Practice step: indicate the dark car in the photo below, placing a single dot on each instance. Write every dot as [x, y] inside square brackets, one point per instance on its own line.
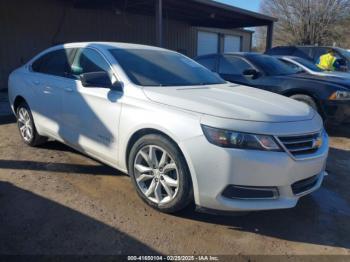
[330, 96]
[313, 53]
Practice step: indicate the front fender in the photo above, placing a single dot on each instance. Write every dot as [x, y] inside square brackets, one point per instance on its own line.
[179, 125]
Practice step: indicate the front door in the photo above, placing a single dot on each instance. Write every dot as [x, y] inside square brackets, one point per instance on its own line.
[91, 115]
[231, 69]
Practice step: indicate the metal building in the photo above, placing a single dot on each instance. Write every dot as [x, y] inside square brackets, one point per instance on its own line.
[193, 27]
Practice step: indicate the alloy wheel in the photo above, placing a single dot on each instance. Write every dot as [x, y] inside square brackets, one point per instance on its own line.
[156, 174]
[25, 124]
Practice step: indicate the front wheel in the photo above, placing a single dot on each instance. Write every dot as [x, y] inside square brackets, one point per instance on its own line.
[306, 100]
[310, 102]
[160, 174]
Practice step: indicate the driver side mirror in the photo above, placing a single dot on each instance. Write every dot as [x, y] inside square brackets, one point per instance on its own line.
[100, 79]
[251, 73]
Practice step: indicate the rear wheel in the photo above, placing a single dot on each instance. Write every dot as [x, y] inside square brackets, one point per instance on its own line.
[26, 126]
[160, 174]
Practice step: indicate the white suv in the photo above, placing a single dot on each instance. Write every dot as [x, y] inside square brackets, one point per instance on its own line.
[181, 132]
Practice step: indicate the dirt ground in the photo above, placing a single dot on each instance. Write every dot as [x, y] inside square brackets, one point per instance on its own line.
[54, 200]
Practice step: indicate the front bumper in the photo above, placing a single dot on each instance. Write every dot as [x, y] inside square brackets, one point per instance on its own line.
[336, 112]
[216, 168]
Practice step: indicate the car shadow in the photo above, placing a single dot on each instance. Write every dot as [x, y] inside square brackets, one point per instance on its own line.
[339, 131]
[59, 167]
[322, 218]
[71, 168]
[57, 146]
[31, 224]
[4, 120]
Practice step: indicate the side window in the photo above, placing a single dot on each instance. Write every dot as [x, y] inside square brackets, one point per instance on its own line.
[208, 62]
[55, 63]
[291, 65]
[231, 65]
[87, 61]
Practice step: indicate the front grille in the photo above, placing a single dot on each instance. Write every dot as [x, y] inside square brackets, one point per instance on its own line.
[304, 185]
[303, 144]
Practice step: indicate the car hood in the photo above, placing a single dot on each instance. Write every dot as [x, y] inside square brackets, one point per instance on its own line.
[342, 75]
[232, 101]
[342, 81]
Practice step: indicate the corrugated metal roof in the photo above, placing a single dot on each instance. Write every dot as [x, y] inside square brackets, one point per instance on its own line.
[236, 9]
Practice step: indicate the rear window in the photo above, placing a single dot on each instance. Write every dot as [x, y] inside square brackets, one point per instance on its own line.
[301, 51]
[318, 52]
[280, 51]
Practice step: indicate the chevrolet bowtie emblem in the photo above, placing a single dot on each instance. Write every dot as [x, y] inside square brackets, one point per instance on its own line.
[317, 143]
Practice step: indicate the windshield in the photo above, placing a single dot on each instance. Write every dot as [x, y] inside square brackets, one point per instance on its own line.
[307, 64]
[163, 68]
[272, 66]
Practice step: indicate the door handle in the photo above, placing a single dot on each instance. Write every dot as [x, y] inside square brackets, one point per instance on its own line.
[67, 89]
[47, 90]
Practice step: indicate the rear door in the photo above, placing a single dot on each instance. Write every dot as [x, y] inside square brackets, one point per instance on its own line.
[91, 114]
[50, 76]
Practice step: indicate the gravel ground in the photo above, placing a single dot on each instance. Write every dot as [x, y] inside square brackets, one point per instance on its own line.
[54, 200]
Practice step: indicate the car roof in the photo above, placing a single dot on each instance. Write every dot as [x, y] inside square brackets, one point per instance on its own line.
[243, 54]
[295, 47]
[108, 45]
[288, 57]
[299, 46]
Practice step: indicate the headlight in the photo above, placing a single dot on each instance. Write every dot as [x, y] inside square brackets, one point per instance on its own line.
[232, 139]
[340, 95]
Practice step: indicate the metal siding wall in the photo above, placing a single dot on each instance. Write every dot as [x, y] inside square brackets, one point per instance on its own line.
[28, 27]
[177, 36]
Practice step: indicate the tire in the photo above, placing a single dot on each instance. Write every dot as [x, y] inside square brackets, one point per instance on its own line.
[26, 126]
[165, 183]
[307, 100]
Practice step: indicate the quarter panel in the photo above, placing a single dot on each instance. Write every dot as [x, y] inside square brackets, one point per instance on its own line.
[21, 84]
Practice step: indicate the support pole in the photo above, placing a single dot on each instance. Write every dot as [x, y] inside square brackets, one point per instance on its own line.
[269, 36]
[159, 22]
